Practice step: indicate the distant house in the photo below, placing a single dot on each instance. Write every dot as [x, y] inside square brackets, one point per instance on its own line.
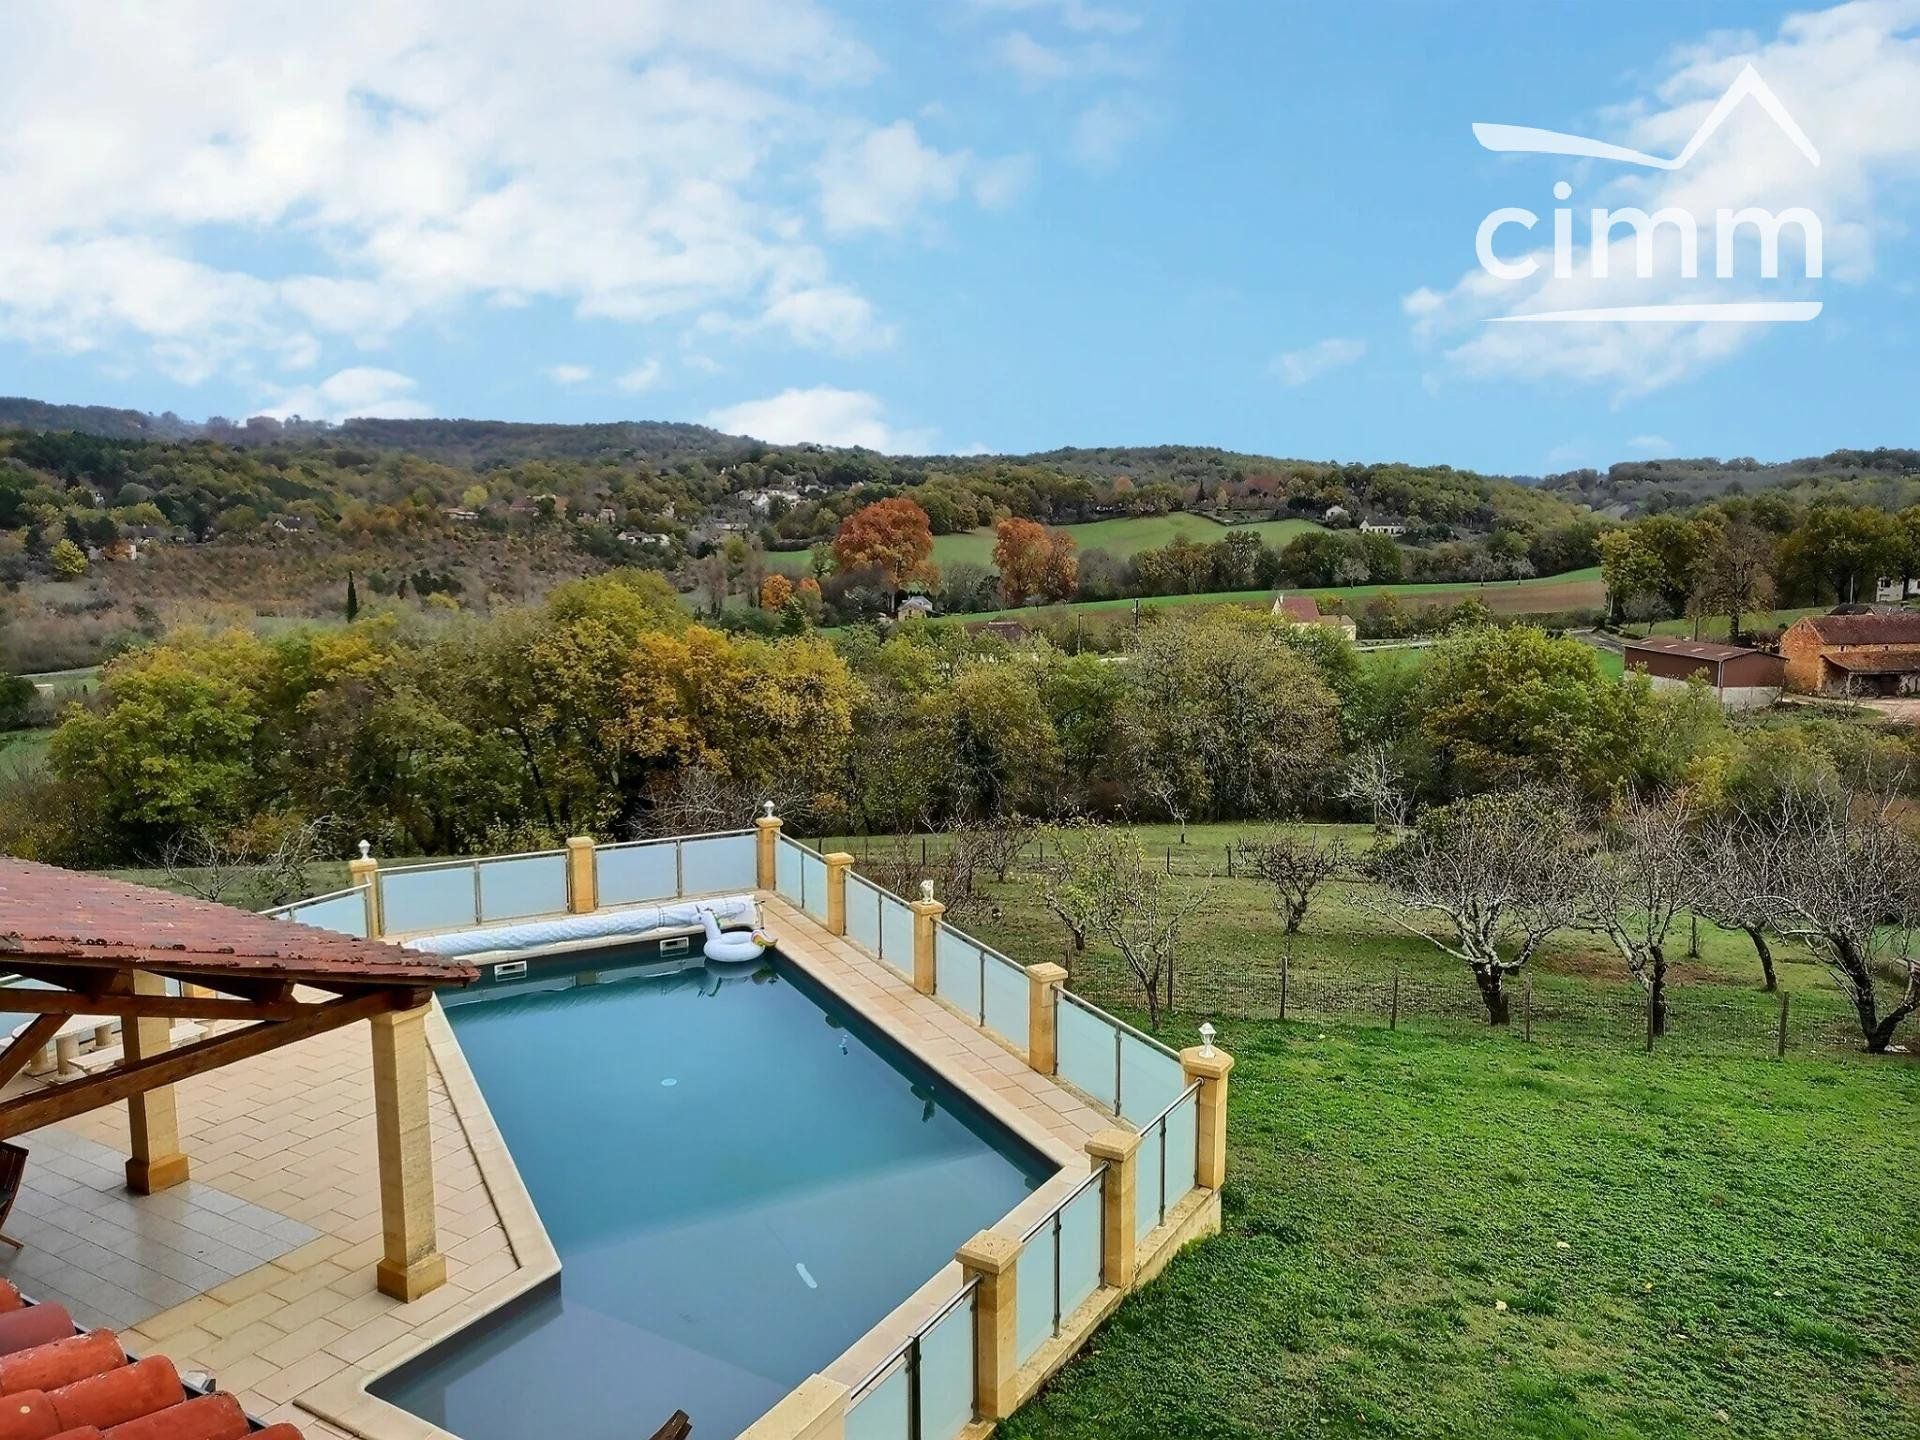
[1898, 591]
[1337, 515]
[1392, 532]
[1742, 678]
[460, 513]
[651, 538]
[915, 607]
[1305, 610]
[1877, 653]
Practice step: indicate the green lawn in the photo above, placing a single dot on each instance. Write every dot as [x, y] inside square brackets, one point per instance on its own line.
[1123, 538]
[1684, 1247]
[1715, 627]
[23, 748]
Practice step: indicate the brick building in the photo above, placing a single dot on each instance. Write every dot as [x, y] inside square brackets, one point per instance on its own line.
[1877, 653]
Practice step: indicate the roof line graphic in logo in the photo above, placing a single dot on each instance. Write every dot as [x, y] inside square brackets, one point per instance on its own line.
[1525, 140]
[1528, 140]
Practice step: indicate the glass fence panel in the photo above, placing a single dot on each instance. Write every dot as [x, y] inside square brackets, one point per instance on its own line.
[946, 1375]
[345, 913]
[419, 900]
[718, 863]
[1150, 1079]
[1183, 1138]
[863, 914]
[786, 870]
[957, 970]
[881, 1413]
[1084, 1044]
[1080, 1249]
[896, 935]
[1146, 1192]
[634, 873]
[813, 884]
[523, 885]
[1033, 1304]
[1007, 1000]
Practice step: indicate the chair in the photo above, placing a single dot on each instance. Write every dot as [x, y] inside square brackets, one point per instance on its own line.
[13, 1165]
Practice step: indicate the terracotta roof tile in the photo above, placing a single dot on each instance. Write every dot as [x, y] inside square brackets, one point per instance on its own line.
[1885, 628]
[52, 914]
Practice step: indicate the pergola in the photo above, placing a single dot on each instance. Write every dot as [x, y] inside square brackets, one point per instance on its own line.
[105, 947]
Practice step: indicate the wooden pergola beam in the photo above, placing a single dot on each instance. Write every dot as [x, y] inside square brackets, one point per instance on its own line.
[28, 1043]
[123, 1081]
[14, 1001]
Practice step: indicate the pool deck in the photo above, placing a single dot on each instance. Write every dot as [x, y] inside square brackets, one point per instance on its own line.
[260, 1270]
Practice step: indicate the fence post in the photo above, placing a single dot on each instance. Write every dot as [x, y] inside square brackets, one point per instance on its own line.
[1284, 959]
[1393, 1002]
[766, 870]
[583, 875]
[1211, 1068]
[926, 921]
[1230, 862]
[838, 863]
[1043, 1016]
[1120, 1149]
[1651, 1016]
[1780, 1043]
[365, 872]
[1526, 1010]
[1169, 859]
[992, 1260]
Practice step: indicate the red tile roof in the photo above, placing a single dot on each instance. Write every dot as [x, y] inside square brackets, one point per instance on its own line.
[1884, 628]
[1302, 608]
[86, 1387]
[51, 914]
[1875, 664]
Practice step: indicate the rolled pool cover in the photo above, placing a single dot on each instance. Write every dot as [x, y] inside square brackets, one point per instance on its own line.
[560, 930]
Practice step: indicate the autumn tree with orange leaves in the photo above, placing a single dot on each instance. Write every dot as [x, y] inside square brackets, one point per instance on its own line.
[775, 591]
[891, 536]
[1035, 562]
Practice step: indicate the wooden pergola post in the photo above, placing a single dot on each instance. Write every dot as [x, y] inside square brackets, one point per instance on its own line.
[153, 1118]
[412, 1264]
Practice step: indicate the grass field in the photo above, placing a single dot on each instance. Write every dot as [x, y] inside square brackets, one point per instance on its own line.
[1693, 1243]
[1546, 594]
[1684, 1247]
[1123, 538]
[23, 749]
[1714, 627]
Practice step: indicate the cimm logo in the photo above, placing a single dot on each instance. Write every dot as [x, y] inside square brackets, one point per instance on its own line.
[1680, 257]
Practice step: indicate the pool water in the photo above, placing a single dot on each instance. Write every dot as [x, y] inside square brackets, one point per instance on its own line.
[741, 1179]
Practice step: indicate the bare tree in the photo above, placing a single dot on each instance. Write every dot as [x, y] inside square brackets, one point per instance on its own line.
[245, 868]
[1732, 890]
[696, 799]
[1500, 872]
[1374, 777]
[1294, 869]
[1110, 889]
[1169, 790]
[1837, 871]
[1640, 882]
[1002, 839]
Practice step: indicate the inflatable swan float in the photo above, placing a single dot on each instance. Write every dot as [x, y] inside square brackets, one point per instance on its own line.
[731, 948]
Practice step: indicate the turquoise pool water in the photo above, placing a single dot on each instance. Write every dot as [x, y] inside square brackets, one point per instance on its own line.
[740, 1177]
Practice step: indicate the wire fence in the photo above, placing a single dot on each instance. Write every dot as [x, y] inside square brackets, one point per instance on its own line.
[1697, 1019]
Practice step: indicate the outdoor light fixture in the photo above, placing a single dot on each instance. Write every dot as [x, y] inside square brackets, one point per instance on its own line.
[1207, 1033]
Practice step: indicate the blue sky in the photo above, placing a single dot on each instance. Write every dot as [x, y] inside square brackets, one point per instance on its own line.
[954, 225]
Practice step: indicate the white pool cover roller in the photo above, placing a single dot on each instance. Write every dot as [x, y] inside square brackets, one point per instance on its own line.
[636, 920]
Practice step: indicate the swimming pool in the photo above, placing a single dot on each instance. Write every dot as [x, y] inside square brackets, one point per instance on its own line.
[740, 1176]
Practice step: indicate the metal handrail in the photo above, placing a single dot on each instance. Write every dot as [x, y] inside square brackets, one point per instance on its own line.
[1078, 1190]
[668, 839]
[1159, 1122]
[1119, 1024]
[279, 910]
[1178, 1101]
[907, 1346]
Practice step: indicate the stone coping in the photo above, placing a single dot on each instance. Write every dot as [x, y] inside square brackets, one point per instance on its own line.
[1042, 1112]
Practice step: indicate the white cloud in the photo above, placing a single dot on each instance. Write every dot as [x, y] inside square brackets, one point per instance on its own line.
[825, 416]
[1850, 76]
[1105, 129]
[390, 163]
[1297, 367]
[360, 391]
[829, 317]
[883, 179]
[569, 374]
[1651, 444]
[1076, 15]
[643, 376]
[1033, 62]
